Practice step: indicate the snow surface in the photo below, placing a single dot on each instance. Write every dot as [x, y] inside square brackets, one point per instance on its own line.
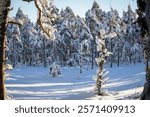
[35, 83]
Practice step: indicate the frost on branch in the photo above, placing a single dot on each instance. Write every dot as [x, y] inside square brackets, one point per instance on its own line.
[45, 17]
[13, 21]
[100, 60]
[8, 67]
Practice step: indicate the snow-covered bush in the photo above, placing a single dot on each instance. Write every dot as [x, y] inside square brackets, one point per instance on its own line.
[54, 70]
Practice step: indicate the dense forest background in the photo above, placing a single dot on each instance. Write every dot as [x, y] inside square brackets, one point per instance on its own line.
[74, 39]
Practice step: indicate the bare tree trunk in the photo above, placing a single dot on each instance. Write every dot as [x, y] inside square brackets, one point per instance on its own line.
[4, 9]
[13, 58]
[92, 56]
[80, 63]
[44, 53]
[118, 63]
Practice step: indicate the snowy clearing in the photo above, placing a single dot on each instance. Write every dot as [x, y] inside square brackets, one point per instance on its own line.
[27, 83]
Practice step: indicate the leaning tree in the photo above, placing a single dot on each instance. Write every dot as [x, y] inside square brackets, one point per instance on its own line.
[143, 20]
[42, 8]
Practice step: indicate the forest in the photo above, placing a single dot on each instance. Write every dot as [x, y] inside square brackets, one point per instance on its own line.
[74, 39]
[99, 56]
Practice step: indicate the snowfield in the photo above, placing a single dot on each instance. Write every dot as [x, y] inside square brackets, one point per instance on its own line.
[35, 83]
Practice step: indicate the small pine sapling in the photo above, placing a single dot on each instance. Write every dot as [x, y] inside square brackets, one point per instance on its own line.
[54, 70]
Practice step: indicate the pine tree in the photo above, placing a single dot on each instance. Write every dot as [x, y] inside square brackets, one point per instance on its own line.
[14, 46]
[84, 39]
[132, 35]
[93, 17]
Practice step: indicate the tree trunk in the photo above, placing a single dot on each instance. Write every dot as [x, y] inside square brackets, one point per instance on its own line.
[147, 11]
[100, 79]
[92, 56]
[111, 49]
[44, 53]
[118, 63]
[80, 63]
[13, 53]
[146, 91]
[4, 9]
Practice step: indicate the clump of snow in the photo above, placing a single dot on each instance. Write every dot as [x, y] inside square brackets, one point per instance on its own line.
[54, 70]
[8, 67]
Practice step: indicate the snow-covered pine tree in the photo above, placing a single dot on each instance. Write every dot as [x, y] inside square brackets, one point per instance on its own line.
[83, 39]
[100, 60]
[57, 49]
[54, 70]
[131, 37]
[28, 37]
[65, 30]
[93, 18]
[73, 31]
[113, 27]
[84, 52]
[14, 46]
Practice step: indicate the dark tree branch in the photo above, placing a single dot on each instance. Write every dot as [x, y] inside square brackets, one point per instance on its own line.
[10, 9]
[28, 0]
[47, 31]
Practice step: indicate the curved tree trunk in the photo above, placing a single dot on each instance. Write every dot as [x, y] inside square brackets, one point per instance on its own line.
[4, 9]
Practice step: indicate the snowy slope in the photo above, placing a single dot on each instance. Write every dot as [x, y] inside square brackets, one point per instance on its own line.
[36, 83]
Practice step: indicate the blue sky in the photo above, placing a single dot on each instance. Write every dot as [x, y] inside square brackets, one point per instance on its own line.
[79, 6]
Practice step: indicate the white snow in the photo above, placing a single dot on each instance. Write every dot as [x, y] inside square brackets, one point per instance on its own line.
[35, 83]
[8, 67]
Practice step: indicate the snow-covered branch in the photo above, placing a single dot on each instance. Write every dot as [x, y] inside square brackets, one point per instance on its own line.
[40, 5]
[13, 21]
[42, 11]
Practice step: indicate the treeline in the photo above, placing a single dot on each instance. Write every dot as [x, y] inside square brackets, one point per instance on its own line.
[74, 39]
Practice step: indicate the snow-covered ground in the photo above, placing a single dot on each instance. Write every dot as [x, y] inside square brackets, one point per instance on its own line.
[35, 83]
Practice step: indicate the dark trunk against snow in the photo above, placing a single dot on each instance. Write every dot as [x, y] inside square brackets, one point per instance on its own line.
[4, 9]
[44, 52]
[144, 6]
[147, 11]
